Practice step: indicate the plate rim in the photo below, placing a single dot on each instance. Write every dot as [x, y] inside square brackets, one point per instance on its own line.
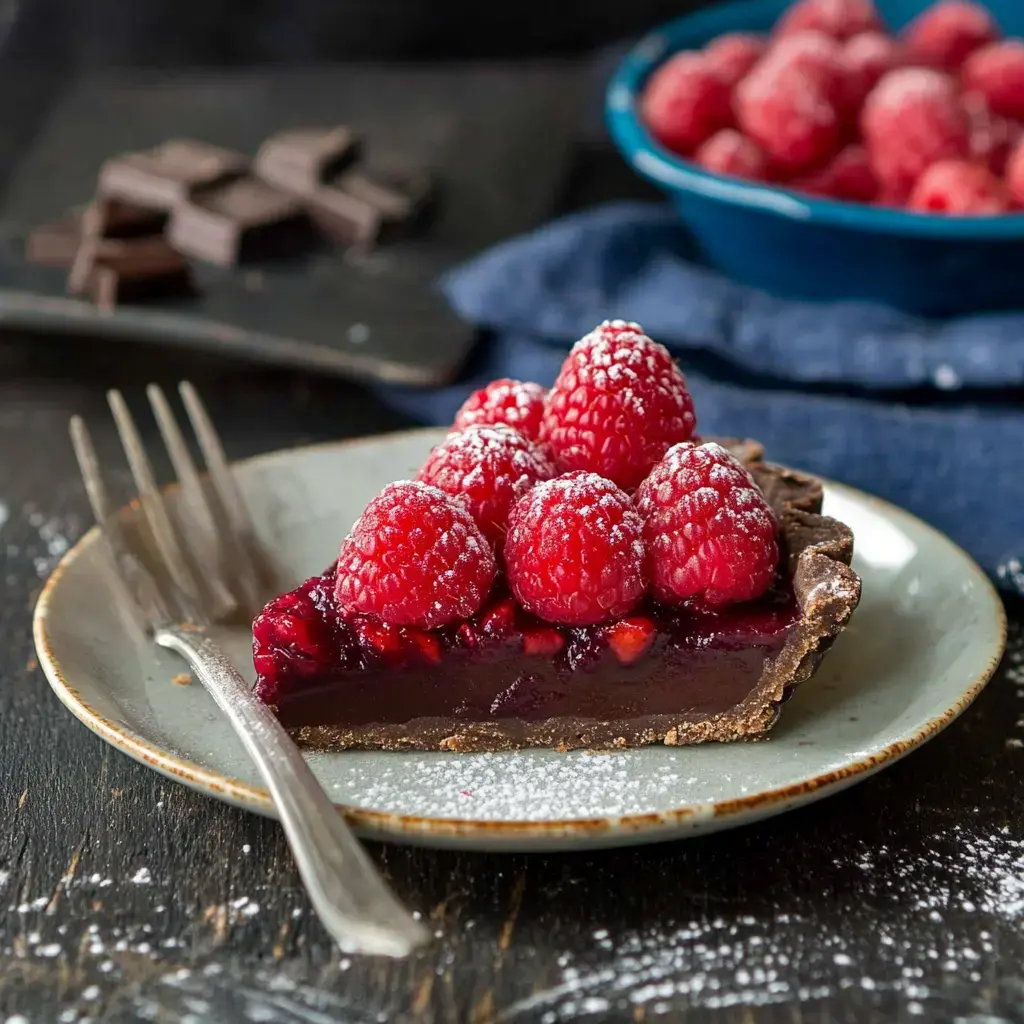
[383, 824]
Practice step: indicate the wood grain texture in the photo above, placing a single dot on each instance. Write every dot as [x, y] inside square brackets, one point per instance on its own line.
[127, 898]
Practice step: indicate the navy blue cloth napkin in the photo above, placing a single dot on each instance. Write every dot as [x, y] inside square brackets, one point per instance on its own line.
[928, 415]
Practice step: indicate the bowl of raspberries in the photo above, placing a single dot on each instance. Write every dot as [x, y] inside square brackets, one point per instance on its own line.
[840, 149]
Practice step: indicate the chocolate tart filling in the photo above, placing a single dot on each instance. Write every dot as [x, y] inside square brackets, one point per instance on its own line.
[504, 679]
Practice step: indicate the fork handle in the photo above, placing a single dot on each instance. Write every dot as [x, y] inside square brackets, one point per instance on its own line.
[350, 897]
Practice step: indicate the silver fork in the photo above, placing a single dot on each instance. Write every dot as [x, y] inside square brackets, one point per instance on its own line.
[186, 570]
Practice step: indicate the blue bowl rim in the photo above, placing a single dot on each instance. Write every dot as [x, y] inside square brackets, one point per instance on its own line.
[673, 173]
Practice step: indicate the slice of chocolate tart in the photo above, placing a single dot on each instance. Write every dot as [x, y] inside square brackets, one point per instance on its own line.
[503, 679]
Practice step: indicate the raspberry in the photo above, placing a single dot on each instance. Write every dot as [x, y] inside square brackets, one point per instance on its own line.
[574, 553]
[837, 18]
[849, 176]
[709, 531]
[542, 642]
[381, 638]
[997, 72]
[519, 404]
[911, 120]
[788, 103]
[992, 137]
[426, 645]
[817, 55]
[631, 638]
[499, 620]
[947, 32]
[733, 55]
[892, 198]
[289, 632]
[730, 152]
[961, 189]
[1015, 174]
[414, 558]
[685, 102]
[867, 57]
[619, 403]
[487, 468]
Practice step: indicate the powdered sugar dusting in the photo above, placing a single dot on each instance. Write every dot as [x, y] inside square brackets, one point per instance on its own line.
[708, 528]
[409, 535]
[800, 66]
[481, 442]
[538, 784]
[619, 402]
[487, 468]
[517, 403]
[807, 42]
[906, 86]
[574, 551]
[908, 933]
[621, 360]
[839, 18]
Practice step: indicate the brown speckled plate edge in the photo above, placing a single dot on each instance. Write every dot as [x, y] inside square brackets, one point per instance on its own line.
[538, 834]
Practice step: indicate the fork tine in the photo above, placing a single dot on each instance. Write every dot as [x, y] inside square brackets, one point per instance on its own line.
[240, 540]
[89, 465]
[110, 529]
[202, 535]
[189, 597]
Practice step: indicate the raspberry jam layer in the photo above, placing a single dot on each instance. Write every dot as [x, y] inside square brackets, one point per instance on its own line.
[503, 665]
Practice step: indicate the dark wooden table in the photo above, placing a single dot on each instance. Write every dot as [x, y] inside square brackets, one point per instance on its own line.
[124, 897]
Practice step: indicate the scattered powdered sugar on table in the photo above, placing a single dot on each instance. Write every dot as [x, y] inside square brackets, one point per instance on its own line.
[1015, 659]
[918, 934]
[960, 869]
[56, 535]
[106, 957]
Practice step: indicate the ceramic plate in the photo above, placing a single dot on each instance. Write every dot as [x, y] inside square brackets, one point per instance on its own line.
[927, 636]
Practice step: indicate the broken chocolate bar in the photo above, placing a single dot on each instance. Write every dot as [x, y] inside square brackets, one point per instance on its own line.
[169, 174]
[115, 218]
[53, 244]
[244, 219]
[300, 160]
[134, 269]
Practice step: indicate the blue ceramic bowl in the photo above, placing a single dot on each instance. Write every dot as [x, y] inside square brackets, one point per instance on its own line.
[809, 248]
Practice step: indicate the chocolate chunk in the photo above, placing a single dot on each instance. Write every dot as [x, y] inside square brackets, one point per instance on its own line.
[344, 217]
[301, 159]
[104, 221]
[395, 197]
[169, 174]
[55, 244]
[357, 209]
[115, 218]
[128, 270]
[242, 220]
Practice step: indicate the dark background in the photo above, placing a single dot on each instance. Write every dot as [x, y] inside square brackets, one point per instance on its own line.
[237, 31]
